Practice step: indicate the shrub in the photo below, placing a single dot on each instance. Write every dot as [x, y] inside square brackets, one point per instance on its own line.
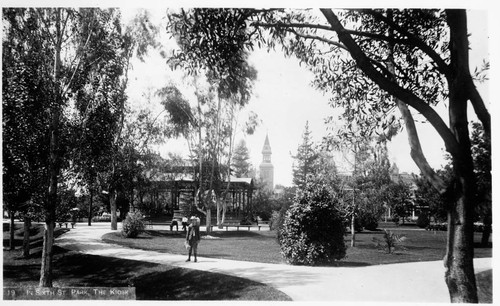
[369, 221]
[390, 242]
[133, 225]
[358, 225]
[277, 220]
[395, 219]
[423, 221]
[313, 229]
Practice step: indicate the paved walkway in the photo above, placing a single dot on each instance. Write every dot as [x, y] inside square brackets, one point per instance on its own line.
[421, 282]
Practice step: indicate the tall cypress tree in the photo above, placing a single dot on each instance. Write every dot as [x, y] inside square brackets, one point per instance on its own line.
[305, 159]
[241, 157]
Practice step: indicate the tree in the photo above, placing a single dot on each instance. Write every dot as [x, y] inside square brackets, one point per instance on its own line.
[24, 124]
[304, 160]
[398, 197]
[226, 95]
[372, 61]
[362, 191]
[240, 163]
[481, 155]
[76, 45]
[427, 196]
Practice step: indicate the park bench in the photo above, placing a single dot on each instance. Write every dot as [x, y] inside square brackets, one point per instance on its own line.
[233, 222]
[437, 227]
[230, 222]
[176, 220]
[61, 223]
[264, 224]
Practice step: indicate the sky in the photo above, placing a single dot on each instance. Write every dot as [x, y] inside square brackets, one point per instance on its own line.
[284, 101]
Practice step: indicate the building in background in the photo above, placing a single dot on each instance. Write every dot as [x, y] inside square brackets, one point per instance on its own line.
[266, 168]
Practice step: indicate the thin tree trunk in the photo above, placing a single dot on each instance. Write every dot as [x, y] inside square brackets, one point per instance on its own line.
[209, 220]
[112, 205]
[26, 238]
[47, 254]
[12, 230]
[90, 206]
[50, 209]
[219, 221]
[353, 230]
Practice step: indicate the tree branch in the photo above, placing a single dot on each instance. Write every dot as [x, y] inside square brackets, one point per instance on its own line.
[441, 64]
[377, 36]
[47, 26]
[280, 24]
[391, 87]
[314, 37]
[479, 107]
[416, 149]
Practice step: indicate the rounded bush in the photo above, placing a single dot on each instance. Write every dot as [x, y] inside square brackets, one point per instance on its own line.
[313, 229]
[133, 225]
[369, 222]
[423, 221]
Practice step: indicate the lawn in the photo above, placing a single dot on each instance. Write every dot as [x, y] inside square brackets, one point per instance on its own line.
[152, 281]
[261, 246]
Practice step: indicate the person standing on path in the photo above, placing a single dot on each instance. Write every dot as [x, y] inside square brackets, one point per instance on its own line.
[193, 237]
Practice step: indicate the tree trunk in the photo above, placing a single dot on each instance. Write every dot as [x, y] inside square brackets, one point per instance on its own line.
[219, 216]
[12, 230]
[209, 220]
[47, 255]
[485, 239]
[112, 205]
[26, 238]
[50, 206]
[224, 208]
[90, 206]
[353, 230]
[459, 257]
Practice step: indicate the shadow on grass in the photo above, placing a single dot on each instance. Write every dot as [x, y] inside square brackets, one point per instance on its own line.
[485, 286]
[36, 237]
[152, 281]
[183, 284]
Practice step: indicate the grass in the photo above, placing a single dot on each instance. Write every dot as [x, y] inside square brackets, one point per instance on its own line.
[235, 245]
[261, 246]
[152, 281]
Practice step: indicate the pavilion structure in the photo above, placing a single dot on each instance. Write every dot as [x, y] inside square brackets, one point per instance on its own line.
[170, 193]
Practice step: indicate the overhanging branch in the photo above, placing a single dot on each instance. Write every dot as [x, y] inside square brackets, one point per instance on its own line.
[441, 64]
[391, 87]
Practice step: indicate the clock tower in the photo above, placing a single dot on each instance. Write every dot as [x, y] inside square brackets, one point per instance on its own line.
[266, 168]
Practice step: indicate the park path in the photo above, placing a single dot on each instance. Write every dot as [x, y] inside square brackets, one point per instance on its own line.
[421, 282]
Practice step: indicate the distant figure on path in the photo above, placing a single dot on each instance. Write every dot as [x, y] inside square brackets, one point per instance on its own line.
[193, 237]
[184, 223]
[174, 223]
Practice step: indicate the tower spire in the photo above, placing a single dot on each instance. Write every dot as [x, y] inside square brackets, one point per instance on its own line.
[266, 167]
[267, 147]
